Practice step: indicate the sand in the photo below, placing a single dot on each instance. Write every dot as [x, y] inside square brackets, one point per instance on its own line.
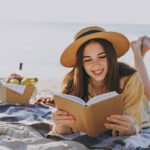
[46, 88]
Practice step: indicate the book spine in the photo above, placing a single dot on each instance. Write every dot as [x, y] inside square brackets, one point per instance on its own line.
[88, 121]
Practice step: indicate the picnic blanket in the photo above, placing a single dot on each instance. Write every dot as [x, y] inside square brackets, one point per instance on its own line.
[26, 127]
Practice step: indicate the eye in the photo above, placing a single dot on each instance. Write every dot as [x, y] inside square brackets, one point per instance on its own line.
[87, 60]
[101, 57]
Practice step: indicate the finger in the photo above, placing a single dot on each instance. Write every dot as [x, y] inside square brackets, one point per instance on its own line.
[56, 114]
[61, 112]
[64, 122]
[120, 117]
[60, 117]
[116, 127]
[118, 121]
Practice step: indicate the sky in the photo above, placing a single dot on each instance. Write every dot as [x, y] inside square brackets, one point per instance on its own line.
[20, 41]
[77, 11]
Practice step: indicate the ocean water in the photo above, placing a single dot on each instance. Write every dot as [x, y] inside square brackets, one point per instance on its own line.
[38, 45]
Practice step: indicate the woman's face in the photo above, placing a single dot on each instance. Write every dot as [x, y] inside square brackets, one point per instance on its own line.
[95, 61]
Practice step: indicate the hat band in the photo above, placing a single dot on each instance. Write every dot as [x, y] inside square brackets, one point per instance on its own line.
[87, 33]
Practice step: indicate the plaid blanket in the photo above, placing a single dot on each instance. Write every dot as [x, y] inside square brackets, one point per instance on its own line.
[38, 117]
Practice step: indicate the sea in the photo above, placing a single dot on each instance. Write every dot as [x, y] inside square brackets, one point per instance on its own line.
[38, 46]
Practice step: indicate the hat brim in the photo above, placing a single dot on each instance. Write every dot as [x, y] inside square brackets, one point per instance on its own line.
[119, 42]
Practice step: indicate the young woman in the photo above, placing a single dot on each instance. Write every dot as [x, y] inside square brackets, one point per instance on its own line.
[95, 70]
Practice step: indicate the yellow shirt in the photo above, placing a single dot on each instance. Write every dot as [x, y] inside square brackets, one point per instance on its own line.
[134, 103]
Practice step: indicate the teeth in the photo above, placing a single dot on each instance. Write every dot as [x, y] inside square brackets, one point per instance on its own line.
[98, 71]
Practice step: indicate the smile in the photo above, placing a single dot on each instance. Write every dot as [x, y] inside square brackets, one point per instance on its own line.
[98, 72]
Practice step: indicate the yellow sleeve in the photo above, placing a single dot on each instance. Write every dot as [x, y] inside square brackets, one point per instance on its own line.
[133, 100]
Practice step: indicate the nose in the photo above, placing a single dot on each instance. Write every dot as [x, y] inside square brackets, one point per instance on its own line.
[96, 62]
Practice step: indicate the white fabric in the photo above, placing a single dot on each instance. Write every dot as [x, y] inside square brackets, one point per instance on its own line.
[15, 87]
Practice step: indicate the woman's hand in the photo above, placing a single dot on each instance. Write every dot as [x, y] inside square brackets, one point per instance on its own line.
[121, 123]
[62, 119]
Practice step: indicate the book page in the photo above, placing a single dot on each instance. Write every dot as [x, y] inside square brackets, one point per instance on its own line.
[102, 97]
[72, 98]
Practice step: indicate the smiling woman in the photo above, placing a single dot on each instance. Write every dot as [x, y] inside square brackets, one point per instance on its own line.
[95, 70]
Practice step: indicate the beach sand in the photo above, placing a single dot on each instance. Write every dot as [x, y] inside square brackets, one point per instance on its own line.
[46, 88]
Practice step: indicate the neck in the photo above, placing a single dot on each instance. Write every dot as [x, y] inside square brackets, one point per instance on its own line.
[98, 87]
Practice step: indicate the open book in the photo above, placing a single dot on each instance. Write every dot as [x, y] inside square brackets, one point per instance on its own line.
[91, 116]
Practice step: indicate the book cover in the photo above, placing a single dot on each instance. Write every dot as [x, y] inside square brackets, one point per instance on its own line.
[91, 116]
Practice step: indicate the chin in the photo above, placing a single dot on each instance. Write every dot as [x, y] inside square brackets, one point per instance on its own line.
[99, 79]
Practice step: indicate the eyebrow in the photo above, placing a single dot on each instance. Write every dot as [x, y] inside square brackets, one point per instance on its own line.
[97, 54]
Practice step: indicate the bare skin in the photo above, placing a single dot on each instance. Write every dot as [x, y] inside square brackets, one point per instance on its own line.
[145, 45]
[62, 119]
[140, 48]
[123, 124]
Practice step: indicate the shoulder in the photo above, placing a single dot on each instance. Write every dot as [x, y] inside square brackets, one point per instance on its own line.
[130, 80]
[132, 88]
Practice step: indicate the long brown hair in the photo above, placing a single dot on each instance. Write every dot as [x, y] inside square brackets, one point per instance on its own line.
[76, 81]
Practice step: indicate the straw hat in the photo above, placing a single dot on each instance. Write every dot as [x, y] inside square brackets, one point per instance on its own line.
[119, 41]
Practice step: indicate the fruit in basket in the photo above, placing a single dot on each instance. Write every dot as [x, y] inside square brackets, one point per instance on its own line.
[14, 81]
[29, 81]
[17, 79]
[14, 76]
[7, 81]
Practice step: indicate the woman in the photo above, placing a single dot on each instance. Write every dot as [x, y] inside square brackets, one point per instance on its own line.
[95, 70]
